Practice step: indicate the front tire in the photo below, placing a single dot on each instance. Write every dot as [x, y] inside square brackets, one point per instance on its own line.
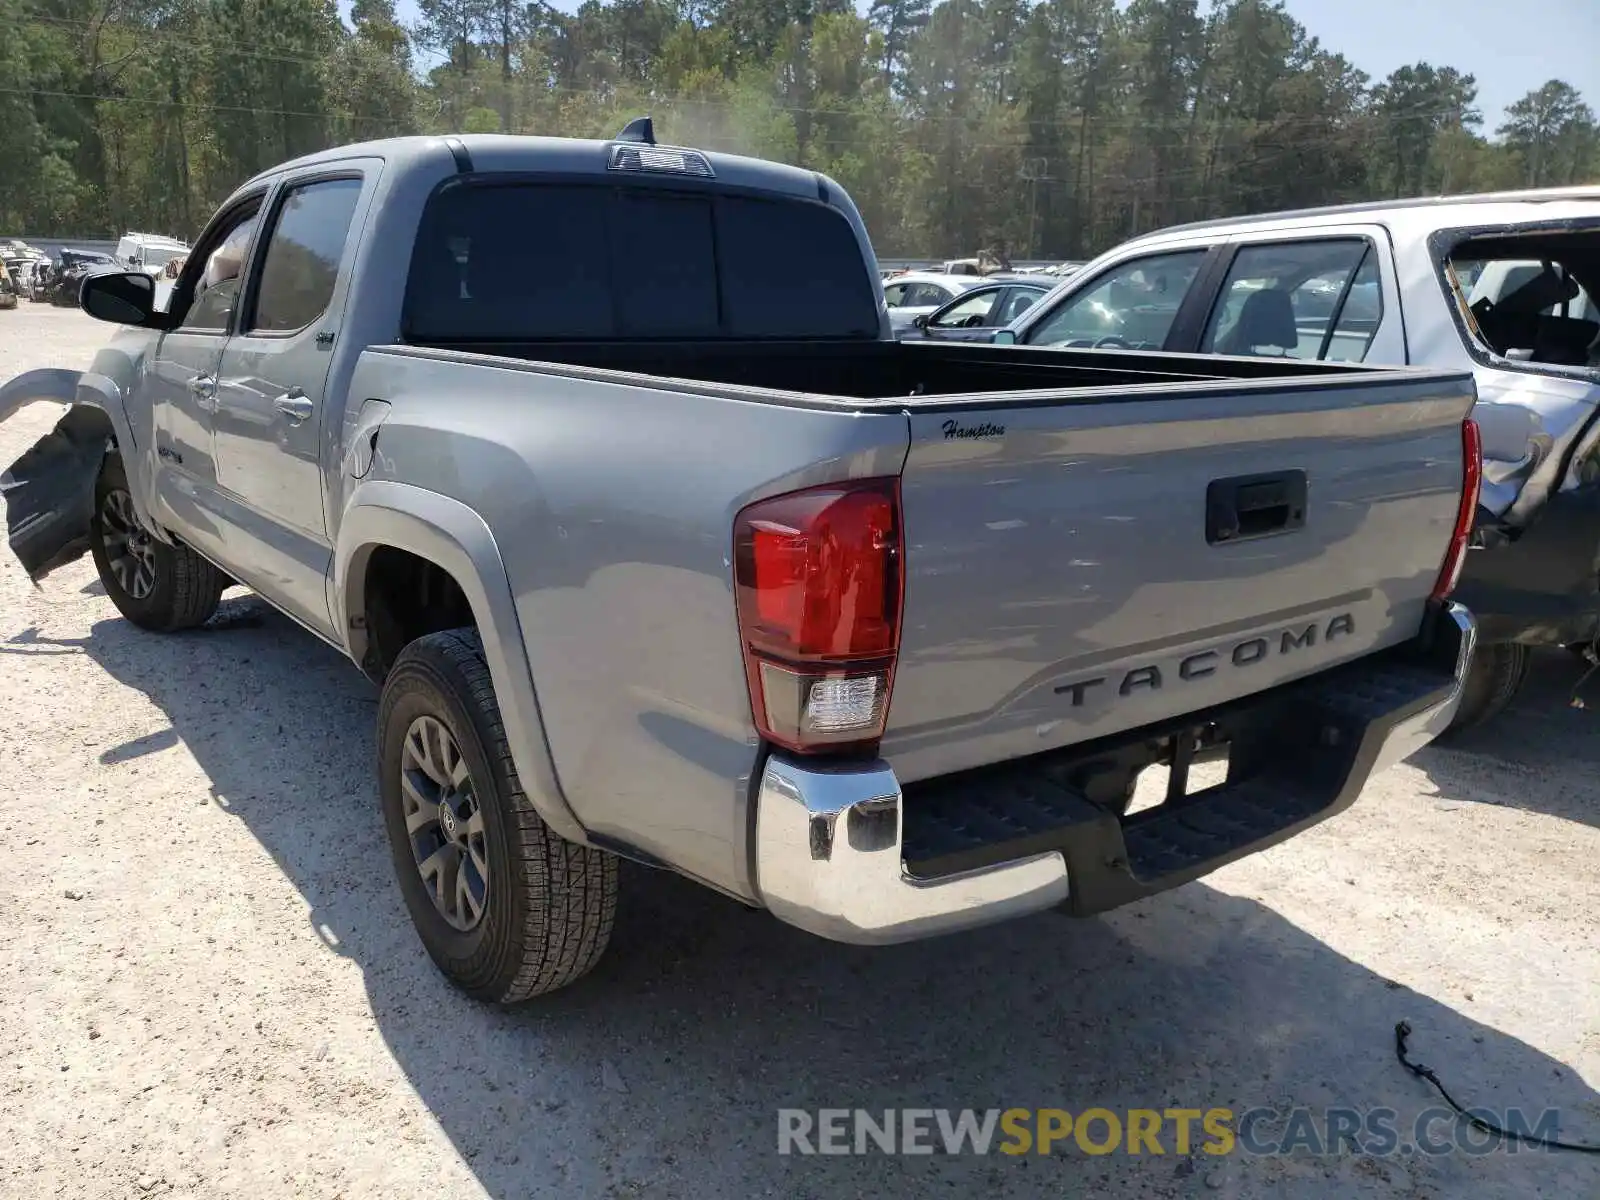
[155, 585]
[1494, 677]
[506, 908]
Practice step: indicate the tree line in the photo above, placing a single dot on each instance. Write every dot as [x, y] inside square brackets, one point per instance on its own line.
[1049, 128]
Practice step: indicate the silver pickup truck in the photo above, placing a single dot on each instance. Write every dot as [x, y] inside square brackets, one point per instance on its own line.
[657, 553]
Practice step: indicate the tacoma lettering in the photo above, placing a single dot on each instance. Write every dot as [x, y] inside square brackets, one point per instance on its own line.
[1204, 663]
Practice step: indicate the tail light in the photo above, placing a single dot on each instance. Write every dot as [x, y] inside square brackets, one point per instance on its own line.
[1471, 483]
[818, 576]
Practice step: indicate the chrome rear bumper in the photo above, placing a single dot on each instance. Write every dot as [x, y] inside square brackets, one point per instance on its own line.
[829, 859]
[830, 839]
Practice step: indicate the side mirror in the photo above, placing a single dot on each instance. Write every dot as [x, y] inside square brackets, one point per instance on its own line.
[1004, 337]
[920, 320]
[121, 297]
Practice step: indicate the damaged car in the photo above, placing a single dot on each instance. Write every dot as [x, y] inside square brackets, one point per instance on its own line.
[1506, 285]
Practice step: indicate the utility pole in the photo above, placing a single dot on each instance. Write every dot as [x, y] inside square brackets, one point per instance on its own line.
[1035, 171]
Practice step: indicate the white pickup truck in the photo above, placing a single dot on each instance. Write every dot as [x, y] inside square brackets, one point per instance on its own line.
[656, 553]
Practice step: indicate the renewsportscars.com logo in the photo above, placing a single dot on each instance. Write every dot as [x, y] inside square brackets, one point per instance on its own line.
[1373, 1132]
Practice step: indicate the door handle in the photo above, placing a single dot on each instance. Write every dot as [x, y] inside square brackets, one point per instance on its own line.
[294, 404]
[1252, 506]
[204, 390]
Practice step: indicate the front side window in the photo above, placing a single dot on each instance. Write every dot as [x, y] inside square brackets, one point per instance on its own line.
[968, 313]
[216, 291]
[303, 255]
[1282, 298]
[1133, 305]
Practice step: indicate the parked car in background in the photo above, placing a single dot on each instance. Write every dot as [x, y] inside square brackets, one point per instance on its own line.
[70, 268]
[29, 279]
[917, 293]
[974, 315]
[1504, 285]
[8, 291]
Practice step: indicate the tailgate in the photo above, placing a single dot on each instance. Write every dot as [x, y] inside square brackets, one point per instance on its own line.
[1083, 565]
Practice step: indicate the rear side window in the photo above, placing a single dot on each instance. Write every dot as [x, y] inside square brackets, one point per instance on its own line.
[1282, 299]
[551, 262]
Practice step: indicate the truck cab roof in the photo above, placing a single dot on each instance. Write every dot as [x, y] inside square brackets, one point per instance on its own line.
[494, 152]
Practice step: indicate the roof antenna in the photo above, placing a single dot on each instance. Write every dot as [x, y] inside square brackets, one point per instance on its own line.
[640, 129]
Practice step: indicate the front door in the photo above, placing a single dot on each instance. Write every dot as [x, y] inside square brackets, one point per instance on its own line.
[181, 380]
[271, 410]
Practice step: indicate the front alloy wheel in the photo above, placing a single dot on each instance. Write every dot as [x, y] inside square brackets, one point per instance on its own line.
[130, 551]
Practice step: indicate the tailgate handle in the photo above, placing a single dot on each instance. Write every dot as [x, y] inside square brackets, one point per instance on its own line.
[1253, 506]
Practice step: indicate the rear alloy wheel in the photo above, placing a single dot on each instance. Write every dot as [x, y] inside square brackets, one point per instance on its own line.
[445, 823]
[157, 585]
[505, 907]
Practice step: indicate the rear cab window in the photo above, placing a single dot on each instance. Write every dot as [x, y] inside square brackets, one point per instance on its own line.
[535, 261]
[1530, 297]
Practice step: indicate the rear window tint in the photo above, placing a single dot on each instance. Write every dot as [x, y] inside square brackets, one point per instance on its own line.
[663, 253]
[541, 262]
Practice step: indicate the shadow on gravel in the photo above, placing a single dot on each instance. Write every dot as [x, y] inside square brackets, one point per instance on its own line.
[1507, 761]
[661, 1075]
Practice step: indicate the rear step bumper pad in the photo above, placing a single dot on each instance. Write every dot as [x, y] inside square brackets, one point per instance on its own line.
[834, 855]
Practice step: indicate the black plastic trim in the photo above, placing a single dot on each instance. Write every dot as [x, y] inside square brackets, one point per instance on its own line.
[459, 152]
[1300, 754]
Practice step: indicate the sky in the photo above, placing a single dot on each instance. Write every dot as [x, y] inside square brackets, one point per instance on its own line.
[1511, 46]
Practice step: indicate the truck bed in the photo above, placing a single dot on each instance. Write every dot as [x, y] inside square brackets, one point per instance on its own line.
[854, 370]
[1065, 579]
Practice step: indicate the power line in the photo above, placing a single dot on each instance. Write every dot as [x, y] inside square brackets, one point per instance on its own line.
[1101, 121]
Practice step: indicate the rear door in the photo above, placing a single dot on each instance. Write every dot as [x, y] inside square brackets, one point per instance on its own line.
[272, 410]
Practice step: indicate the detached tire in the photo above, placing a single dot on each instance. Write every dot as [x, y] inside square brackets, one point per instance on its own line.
[1493, 679]
[157, 586]
[506, 908]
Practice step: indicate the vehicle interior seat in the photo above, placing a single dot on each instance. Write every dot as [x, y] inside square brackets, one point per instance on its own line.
[1267, 319]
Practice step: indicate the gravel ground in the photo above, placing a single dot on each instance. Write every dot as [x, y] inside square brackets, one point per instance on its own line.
[213, 989]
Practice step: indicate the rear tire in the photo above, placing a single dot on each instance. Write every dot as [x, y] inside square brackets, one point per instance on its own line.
[1496, 674]
[155, 585]
[506, 908]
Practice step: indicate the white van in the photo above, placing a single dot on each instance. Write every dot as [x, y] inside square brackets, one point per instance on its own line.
[148, 251]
